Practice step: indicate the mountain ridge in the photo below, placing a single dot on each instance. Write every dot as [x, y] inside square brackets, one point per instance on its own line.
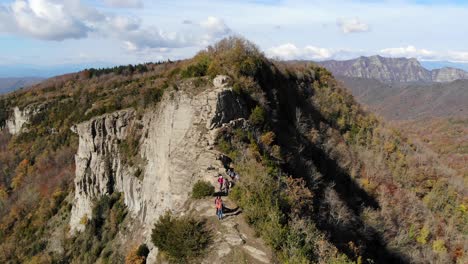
[407, 101]
[13, 83]
[321, 180]
[392, 70]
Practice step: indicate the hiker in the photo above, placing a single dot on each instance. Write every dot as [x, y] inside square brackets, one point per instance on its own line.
[230, 172]
[226, 186]
[221, 182]
[225, 160]
[219, 207]
[236, 176]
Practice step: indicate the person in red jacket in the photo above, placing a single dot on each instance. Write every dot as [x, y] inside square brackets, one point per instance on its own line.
[221, 182]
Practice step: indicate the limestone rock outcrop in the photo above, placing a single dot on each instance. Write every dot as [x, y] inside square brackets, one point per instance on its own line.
[19, 118]
[175, 145]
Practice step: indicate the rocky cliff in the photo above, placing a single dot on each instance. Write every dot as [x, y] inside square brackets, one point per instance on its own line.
[175, 146]
[19, 118]
[448, 74]
[391, 70]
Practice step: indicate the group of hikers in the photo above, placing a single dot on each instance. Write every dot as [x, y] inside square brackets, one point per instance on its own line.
[224, 186]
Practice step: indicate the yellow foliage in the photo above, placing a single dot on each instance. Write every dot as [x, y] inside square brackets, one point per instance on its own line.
[276, 152]
[365, 182]
[20, 173]
[3, 194]
[389, 147]
[267, 138]
[84, 219]
[423, 235]
[462, 208]
[134, 258]
[439, 246]
[39, 259]
[57, 194]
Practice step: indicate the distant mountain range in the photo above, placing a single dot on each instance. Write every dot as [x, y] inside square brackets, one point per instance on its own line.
[47, 71]
[10, 84]
[392, 70]
[411, 100]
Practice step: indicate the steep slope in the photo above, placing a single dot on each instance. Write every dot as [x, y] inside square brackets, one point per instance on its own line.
[321, 180]
[392, 70]
[446, 137]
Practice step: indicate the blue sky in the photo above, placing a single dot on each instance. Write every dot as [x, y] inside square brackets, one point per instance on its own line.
[58, 32]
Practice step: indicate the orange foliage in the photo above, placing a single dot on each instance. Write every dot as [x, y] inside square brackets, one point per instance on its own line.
[134, 258]
[20, 174]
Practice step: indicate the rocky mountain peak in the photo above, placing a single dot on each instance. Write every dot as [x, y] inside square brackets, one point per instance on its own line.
[391, 70]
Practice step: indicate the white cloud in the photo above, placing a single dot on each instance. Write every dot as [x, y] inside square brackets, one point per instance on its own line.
[215, 25]
[153, 38]
[139, 38]
[215, 28]
[290, 52]
[6, 21]
[408, 51]
[118, 24]
[124, 3]
[353, 25]
[71, 19]
[48, 19]
[458, 56]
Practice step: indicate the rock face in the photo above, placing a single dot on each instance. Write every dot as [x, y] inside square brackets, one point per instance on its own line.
[176, 146]
[391, 70]
[20, 117]
[448, 75]
[99, 170]
[221, 81]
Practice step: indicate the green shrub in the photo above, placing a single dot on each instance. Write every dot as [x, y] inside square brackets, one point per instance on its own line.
[199, 68]
[182, 239]
[152, 96]
[95, 242]
[257, 117]
[202, 189]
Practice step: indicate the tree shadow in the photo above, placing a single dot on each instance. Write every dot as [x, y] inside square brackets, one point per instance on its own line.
[229, 212]
[305, 159]
[220, 193]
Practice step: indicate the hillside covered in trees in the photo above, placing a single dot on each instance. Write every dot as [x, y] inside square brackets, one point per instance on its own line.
[322, 180]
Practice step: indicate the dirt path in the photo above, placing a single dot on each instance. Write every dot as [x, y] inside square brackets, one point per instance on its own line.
[234, 240]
